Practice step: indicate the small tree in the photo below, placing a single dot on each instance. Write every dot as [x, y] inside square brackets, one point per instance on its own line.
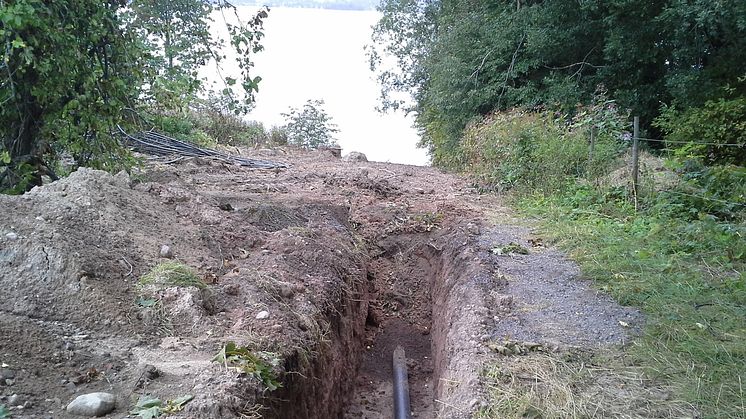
[310, 126]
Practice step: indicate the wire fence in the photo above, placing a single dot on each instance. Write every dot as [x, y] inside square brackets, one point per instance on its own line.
[692, 142]
[635, 169]
[722, 201]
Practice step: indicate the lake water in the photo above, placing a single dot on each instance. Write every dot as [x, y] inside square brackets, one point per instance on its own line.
[318, 54]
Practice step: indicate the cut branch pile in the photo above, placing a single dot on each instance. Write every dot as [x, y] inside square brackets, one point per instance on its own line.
[150, 142]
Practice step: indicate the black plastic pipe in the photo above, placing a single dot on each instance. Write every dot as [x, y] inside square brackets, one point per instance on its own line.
[401, 386]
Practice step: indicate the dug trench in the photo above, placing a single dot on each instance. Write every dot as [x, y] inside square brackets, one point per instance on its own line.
[320, 270]
[417, 286]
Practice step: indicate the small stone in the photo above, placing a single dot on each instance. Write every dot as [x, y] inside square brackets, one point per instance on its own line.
[9, 382]
[92, 404]
[14, 400]
[355, 156]
[264, 314]
[232, 289]
[6, 373]
[11, 236]
[287, 292]
[276, 327]
[472, 229]
[166, 252]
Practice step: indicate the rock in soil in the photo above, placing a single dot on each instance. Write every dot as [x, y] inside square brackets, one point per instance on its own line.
[166, 252]
[7, 374]
[355, 156]
[262, 315]
[14, 400]
[92, 404]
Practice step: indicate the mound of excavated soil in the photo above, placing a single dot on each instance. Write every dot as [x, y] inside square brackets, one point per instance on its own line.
[324, 268]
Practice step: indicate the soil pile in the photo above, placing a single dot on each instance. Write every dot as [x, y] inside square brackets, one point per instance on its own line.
[317, 271]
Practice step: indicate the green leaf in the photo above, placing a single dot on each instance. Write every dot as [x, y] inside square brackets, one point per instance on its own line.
[146, 302]
[177, 404]
[149, 413]
[147, 402]
[18, 43]
[4, 412]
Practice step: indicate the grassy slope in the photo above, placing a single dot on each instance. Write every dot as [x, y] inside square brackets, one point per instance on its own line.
[689, 277]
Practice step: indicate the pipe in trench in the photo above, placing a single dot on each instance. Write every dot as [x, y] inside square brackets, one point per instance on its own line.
[402, 409]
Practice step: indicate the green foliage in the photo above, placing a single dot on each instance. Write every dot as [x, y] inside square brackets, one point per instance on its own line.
[717, 192]
[64, 80]
[460, 60]
[172, 273]
[149, 407]
[260, 365]
[180, 41]
[4, 412]
[73, 71]
[720, 124]
[208, 127]
[310, 126]
[538, 150]
[278, 136]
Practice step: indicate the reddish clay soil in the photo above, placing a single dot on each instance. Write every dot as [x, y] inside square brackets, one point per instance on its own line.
[347, 259]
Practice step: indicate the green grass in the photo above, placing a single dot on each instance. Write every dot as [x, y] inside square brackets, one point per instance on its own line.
[172, 273]
[688, 276]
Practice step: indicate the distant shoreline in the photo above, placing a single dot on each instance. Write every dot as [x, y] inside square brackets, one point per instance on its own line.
[352, 5]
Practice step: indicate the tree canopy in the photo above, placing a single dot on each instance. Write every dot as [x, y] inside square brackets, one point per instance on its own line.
[462, 59]
[72, 71]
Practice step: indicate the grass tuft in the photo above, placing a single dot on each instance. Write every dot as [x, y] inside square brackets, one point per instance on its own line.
[172, 273]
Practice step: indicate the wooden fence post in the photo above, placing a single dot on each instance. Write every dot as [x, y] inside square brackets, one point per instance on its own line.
[594, 131]
[635, 156]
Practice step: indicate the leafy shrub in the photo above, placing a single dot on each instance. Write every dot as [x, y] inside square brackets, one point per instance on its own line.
[310, 126]
[208, 127]
[149, 407]
[278, 136]
[718, 122]
[538, 150]
[714, 191]
[259, 365]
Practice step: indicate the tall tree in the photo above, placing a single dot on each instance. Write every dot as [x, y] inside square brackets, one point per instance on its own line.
[461, 59]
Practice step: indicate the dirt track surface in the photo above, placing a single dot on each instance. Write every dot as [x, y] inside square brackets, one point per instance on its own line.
[348, 259]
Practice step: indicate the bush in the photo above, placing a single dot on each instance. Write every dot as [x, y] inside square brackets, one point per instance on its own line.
[278, 136]
[706, 192]
[718, 122]
[207, 127]
[537, 150]
[311, 126]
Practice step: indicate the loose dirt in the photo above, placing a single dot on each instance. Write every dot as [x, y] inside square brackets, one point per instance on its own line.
[348, 259]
